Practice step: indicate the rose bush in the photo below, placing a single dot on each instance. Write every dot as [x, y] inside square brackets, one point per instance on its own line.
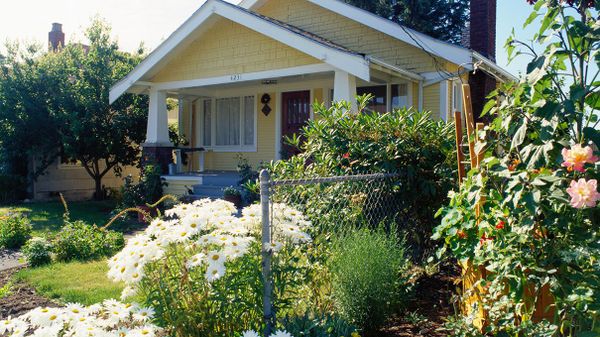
[529, 215]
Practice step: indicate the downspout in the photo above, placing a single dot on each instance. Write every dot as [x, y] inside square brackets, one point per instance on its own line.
[421, 95]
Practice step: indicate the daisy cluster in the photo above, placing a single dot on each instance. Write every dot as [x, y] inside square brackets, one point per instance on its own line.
[213, 229]
[108, 319]
[278, 333]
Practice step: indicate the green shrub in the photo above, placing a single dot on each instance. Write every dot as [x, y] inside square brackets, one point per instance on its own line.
[408, 143]
[80, 241]
[14, 231]
[147, 191]
[319, 326]
[37, 252]
[369, 276]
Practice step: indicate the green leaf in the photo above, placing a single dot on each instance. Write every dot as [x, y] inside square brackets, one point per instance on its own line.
[519, 136]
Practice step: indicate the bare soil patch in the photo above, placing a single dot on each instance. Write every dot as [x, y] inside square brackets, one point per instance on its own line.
[21, 298]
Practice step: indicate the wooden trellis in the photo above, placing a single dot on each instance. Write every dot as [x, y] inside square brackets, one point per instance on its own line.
[471, 274]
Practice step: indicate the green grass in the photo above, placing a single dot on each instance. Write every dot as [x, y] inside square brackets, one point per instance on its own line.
[47, 217]
[84, 283]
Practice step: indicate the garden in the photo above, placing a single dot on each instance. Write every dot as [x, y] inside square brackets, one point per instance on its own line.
[366, 232]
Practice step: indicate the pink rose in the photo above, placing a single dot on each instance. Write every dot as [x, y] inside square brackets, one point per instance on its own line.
[584, 193]
[577, 157]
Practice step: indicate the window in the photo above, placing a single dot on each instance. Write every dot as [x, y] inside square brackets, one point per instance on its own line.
[379, 101]
[228, 123]
[400, 96]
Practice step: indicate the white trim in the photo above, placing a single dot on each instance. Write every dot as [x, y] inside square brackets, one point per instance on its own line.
[420, 103]
[395, 69]
[246, 77]
[455, 54]
[350, 62]
[434, 77]
[444, 100]
[492, 68]
[278, 122]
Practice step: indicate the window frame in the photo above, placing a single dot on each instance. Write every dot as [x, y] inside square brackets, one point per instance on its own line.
[409, 93]
[213, 127]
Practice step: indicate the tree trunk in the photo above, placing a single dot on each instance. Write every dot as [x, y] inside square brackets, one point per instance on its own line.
[99, 193]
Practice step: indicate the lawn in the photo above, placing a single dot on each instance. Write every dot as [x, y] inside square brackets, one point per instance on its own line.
[47, 217]
[84, 283]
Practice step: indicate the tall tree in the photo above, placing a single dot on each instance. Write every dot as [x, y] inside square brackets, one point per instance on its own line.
[56, 104]
[102, 137]
[442, 19]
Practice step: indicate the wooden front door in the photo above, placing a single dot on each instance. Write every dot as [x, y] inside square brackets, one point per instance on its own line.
[295, 107]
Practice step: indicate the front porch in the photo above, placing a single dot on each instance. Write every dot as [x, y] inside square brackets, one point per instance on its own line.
[247, 117]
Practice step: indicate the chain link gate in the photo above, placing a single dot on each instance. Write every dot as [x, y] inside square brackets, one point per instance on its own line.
[330, 203]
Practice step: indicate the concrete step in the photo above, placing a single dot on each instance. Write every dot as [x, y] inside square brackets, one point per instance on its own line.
[220, 179]
[209, 191]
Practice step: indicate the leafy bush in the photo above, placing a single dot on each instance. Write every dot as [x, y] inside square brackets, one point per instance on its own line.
[320, 326]
[15, 230]
[80, 241]
[147, 191]
[12, 188]
[529, 215]
[404, 142]
[37, 252]
[370, 276]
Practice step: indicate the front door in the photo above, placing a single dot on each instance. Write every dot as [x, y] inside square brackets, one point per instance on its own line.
[295, 107]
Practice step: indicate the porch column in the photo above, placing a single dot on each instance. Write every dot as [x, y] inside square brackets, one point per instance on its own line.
[158, 148]
[344, 88]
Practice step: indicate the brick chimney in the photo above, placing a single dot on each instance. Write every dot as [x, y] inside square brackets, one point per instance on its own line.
[482, 39]
[56, 37]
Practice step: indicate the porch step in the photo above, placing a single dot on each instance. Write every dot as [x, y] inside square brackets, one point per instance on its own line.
[209, 191]
[220, 179]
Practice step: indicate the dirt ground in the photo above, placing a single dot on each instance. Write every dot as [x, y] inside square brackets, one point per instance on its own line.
[21, 298]
[427, 313]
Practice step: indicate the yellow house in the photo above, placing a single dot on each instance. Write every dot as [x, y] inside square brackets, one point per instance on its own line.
[245, 76]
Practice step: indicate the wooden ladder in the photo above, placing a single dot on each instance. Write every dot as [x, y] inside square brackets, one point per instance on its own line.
[474, 159]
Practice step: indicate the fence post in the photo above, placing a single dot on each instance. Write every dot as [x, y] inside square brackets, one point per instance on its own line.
[266, 252]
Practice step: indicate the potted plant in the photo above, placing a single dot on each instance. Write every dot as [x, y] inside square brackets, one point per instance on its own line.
[233, 195]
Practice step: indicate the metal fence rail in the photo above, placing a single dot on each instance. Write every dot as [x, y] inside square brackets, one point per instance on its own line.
[342, 201]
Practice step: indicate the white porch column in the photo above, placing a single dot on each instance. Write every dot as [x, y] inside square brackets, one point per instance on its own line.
[344, 88]
[157, 133]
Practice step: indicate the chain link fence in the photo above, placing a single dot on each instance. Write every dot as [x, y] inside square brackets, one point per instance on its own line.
[332, 204]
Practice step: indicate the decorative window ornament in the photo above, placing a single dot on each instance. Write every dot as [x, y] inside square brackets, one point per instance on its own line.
[266, 99]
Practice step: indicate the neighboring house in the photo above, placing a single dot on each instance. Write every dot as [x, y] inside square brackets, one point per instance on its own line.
[226, 61]
[70, 179]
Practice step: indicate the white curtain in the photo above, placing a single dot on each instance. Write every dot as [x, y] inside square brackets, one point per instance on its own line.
[249, 120]
[228, 121]
[207, 123]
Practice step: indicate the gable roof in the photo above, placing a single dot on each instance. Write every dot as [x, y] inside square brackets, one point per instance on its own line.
[326, 51]
[458, 55]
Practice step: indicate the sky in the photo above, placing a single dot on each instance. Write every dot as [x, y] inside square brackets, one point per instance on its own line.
[152, 21]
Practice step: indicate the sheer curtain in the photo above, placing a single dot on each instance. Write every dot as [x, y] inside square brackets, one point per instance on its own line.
[249, 120]
[228, 121]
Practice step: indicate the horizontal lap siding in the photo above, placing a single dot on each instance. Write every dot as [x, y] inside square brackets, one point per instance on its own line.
[431, 100]
[230, 48]
[75, 183]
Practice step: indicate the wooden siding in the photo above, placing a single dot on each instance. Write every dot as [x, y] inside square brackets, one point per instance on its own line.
[75, 183]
